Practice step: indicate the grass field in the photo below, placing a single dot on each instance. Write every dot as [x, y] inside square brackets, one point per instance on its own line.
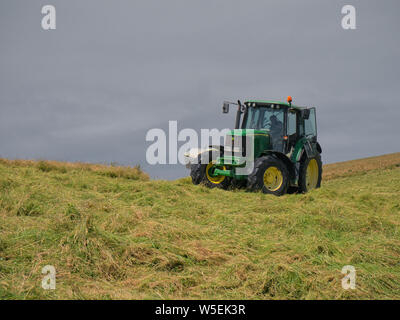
[111, 233]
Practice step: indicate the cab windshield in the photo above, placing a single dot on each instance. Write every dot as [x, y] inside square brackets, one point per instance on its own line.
[267, 118]
[264, 118]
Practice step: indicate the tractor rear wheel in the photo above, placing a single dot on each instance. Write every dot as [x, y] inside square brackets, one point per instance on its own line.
[269, 175]
[310, 173]
[203, 173]
[238, 184]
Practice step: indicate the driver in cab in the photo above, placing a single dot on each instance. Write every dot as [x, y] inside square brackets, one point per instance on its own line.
[276, 132]
[276, 125]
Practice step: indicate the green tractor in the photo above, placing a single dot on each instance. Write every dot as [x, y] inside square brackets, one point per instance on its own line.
[285, 150]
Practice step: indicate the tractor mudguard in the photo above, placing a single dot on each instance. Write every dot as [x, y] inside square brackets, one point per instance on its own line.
[309, 149]
[318, 146]
[305, 145]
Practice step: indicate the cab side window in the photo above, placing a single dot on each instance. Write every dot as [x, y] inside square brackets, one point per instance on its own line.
[291, 126]
[310, 126]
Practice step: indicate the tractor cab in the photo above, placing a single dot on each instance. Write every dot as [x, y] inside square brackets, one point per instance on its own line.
[284, 123]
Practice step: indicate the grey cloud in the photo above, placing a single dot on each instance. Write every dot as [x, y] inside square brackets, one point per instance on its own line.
[90, 90]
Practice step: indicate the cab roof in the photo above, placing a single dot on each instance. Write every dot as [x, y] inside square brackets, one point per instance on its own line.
[261, 102]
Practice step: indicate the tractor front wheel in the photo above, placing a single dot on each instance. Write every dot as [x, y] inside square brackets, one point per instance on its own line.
[269, 175]
[204, 174]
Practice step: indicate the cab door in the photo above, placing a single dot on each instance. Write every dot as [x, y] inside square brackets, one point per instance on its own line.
[310, 126]
[310, 133]
[291, 129]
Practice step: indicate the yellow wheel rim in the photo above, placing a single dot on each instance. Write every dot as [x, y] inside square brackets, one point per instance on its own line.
[273, 178]
[209, 173]
[312, 174]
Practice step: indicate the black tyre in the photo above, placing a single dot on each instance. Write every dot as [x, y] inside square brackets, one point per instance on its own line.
[203, 174]
[310, 173]
[269, 175]
[238, 184]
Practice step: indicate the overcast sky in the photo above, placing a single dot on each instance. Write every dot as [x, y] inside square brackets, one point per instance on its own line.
[112, 70]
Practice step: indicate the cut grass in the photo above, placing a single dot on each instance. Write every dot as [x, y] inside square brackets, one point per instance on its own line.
[113, 236]
[361, 166]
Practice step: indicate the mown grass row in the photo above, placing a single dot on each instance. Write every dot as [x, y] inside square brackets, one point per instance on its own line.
[113, 171]
[113, 237]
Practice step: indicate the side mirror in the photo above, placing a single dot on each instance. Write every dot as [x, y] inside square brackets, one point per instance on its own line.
[305, 114]
[225, 107]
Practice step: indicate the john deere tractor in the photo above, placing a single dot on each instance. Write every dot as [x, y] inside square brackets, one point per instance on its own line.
[285, 150]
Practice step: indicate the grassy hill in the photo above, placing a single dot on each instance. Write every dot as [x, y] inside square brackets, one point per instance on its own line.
[112, 233]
